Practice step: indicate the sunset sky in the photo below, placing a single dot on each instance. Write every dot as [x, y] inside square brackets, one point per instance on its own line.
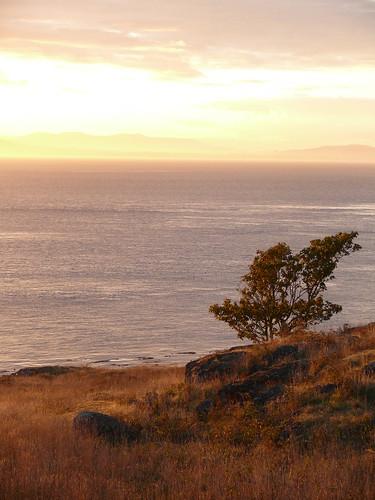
[256, 74]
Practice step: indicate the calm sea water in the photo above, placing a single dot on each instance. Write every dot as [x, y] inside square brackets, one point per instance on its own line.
[111, 264]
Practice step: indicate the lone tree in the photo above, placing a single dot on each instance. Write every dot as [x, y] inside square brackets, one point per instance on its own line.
[283, 291]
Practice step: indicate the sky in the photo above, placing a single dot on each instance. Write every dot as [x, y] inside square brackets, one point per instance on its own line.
[258, 75]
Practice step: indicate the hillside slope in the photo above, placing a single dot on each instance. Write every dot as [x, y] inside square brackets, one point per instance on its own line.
[309, 388]
[291, 419]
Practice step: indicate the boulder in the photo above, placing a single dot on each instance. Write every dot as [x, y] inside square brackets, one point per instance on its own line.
[104, 426]
[264, 397]
[230, 362]
[238, 391]
[280, 373]
[281, 352]
[246, 390]
[214, 366]
[263, 385]
[43, 370]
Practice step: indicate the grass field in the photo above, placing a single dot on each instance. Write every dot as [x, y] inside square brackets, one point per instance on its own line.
[237, 452]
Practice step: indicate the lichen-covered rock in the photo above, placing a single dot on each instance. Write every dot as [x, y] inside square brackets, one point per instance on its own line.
[269, 394]
[236, 361]
[281, 352]
[43, 370]
[238, 392]
[215, 365]
[104, 426]
[263, 385]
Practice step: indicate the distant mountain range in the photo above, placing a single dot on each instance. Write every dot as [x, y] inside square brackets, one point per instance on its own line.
[137, 146]
[350, 153]
[74, 144]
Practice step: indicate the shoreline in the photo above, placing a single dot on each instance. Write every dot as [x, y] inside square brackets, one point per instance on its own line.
[305, 397]
[43, 369]
[177, 359]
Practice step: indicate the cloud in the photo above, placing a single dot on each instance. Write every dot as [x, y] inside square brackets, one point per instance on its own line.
[176, 38]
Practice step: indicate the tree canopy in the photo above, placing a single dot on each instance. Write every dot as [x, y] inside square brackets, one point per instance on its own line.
[284, 291]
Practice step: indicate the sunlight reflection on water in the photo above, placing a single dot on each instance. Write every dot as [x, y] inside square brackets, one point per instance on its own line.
[119, 267]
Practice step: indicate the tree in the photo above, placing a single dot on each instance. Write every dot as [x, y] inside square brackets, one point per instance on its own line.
[283, 291]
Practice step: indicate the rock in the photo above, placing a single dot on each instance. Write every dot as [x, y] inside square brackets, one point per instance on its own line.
[214, 366]
[369, 369]
[229, 362]
[239, 392]
[104, 426]
[281, 352]
[281, 373]
[268, 395]
[261, 386]
[327, 389]
[43, 370]
[204, 408]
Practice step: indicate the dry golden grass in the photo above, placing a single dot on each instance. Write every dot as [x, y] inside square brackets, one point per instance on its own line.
[236, 454]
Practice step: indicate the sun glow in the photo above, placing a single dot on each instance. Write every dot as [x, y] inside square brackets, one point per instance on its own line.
[56, 95]
[174, 75]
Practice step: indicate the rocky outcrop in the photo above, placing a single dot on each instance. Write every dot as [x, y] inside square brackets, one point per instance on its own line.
[261, 375]
[263, 385]
[216, 365]
[44, 370]
[236, 361]
[281, 352]
[104, 426]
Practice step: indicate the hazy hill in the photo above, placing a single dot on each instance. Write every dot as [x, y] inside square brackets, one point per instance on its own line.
[84, 145]
[137, 146]
[351, 153]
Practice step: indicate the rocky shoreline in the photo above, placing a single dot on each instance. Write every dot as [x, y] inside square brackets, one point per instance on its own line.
[259, 375]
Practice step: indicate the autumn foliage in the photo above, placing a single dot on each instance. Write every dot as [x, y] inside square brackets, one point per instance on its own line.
[284, 291]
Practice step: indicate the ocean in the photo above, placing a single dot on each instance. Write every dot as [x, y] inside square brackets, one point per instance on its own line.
[116, 264]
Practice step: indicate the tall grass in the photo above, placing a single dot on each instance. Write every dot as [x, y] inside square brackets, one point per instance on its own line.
[234, 455]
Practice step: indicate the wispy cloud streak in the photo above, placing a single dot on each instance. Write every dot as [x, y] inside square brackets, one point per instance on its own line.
[179, 36]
